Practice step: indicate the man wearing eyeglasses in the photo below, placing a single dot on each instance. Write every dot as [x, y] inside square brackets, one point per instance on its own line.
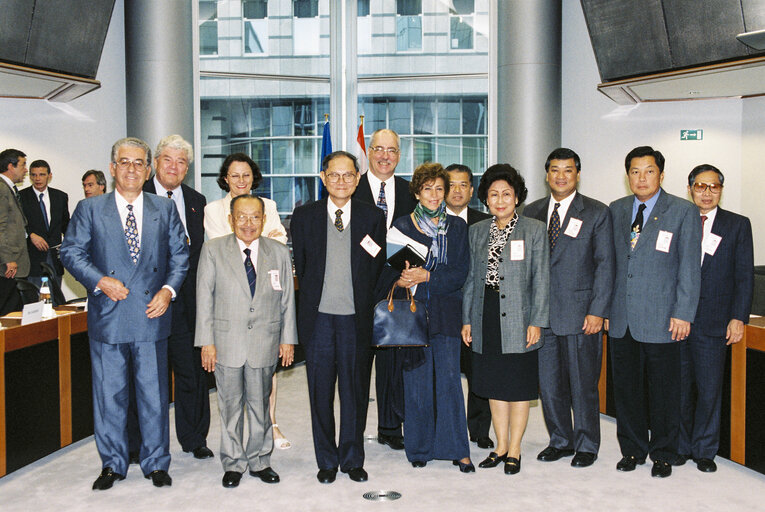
[338, 244]
[128, 249]
[727, 281]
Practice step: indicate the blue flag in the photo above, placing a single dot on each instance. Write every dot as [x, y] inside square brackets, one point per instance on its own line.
[326, 148]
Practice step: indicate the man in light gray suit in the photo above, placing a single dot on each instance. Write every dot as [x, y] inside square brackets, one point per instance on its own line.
[657, 242]
[14, 258]
[245, 323]
[581, 282]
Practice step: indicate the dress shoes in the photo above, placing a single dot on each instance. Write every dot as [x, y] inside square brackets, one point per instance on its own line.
[512, 465]
[418, 463]
[483, 442]
[231, 478]
[107, 478]
[629, 463]
[326, 476]
[394, 442]
[661, 469]
[201, 452]
[680, 460]
[160, 478]
[492, 461]
[266, 475]
[583, 459]
[134, 458]
[706, 465]
[357, 474]
[464, 467]
[551, 454]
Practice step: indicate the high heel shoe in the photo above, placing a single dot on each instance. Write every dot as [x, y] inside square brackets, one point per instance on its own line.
[512, 465]
[492, 461]
[465, 467]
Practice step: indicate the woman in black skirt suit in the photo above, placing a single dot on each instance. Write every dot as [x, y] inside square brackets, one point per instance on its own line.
[504, 307]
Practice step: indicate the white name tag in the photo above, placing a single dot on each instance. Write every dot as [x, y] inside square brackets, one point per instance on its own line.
[710, 243]
[574, 225]
[275, 284]
[516, 250]
[370, 246]
[663, 241]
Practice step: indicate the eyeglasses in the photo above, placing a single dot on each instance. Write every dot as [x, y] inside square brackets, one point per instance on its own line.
[714, 188]
[244, 219]
[380, 149]
[125, 163]
[334, 177]
[238, 177]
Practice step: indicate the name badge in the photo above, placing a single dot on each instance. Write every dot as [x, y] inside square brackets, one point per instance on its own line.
[574, 225]
[516, 250]
[663, 241]
[710, 243]
[370, 246]
[275, 284]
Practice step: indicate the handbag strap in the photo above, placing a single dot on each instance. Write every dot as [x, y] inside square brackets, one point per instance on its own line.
[409, 297]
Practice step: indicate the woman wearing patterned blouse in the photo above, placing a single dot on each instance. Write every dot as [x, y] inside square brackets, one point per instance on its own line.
[504, 307]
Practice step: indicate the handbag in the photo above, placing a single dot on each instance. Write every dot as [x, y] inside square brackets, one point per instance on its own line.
[400, 322]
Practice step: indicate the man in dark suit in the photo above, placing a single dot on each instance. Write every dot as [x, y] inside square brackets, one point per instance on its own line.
[128, 249]
[460, 194]
[581, 282]
[380, 187]
[727, 282]
[657, 244]
[47, 213]
[338, 244]
[14, 258]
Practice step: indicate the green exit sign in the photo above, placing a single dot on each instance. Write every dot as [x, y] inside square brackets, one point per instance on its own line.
[691, 134]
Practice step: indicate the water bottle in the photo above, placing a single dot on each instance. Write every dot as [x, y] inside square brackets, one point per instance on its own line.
[45, 298]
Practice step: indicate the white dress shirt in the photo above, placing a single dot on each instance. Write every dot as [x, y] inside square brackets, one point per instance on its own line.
[707, 228]
[46, 200]
[462, 215]
[345, 216]
[562, 209]
[253, 251]
[177, 199]
[390, 193]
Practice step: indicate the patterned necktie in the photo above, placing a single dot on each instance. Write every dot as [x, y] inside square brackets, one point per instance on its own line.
[637, 226]
[44, 211]
[381, 203]
[169, 194]
[250, 269]
[131, 234]
[339, 220]
[554, 229]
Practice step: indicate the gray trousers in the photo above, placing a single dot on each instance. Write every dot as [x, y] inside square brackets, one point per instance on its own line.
[237, 388]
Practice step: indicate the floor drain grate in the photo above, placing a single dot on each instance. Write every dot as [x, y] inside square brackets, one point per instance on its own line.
[382, 495]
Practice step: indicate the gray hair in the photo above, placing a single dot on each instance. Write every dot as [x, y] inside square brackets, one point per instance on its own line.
[176, 142]
[99, 175]
[385, 130]
[131, 142]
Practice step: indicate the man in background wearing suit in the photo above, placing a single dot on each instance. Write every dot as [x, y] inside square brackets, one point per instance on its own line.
[339, 248]
[47, 213]
[657, 244]
[128, 249]
[93, 183]
[581, 282]
[727, 282]
[245, 323]
[380, 187]
[14, 258]
[460, 194]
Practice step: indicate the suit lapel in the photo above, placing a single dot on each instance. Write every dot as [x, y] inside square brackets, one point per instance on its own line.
[651, 225]
[116, 232]
[150, 228]
[235, 262]
[574, 210]
[357, 233]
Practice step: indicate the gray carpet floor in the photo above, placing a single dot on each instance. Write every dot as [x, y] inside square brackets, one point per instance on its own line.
[62, 481]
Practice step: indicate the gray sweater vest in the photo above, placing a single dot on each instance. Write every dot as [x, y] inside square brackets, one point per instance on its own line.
[337, 291]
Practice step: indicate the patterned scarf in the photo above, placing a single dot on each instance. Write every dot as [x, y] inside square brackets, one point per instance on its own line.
[437, 232]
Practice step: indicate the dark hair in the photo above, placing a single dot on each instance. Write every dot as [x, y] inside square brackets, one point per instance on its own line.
[234, 200]
[38, 164]
[703, 168]
[461, 168]
[99, 175]
[10, 156]
[502, 172]
[427, 172]
[563, 154]
[338, 154]
[642, 151]
[238, 157]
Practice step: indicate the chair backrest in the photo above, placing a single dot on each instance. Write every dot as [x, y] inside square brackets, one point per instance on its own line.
[55, 289]
[29, 291]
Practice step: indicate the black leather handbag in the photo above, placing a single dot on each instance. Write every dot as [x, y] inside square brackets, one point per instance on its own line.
[400, 322]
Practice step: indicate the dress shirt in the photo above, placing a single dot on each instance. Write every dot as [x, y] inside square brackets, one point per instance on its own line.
[46, 201]
[707, 228]
[8, 181]
[345, 216]
[390, 194]
[648, 208]
[177, 199]
[253, 251]
[462, 215]
[562, 209]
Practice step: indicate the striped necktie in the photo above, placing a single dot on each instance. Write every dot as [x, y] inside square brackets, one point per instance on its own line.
[250, 269]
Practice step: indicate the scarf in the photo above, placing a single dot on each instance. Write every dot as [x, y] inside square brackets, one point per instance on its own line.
[437, 233]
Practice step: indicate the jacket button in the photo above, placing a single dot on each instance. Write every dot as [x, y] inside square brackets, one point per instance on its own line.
[501, 278]
[252, 310]
[629, 275]
[502, 296]
[504, 314]
[155, 269]
[249, 326]
[501, 260]
[146, 292]
[112, 272]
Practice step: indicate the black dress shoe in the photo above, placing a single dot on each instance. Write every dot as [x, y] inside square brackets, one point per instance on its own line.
[202, 452]
[326, 476]
[266, 475]
[661, 469]
[512, 465]
[706, 465]
[628, 463]
[492, 461]
[394, 442]
[583, 459]
[231, 478]
[357, 474]
[485, 443]
[464, 467]
[552, 453]
[106, 479]
[680, 460]
[134, 458]
[160, 478]
[418, 463]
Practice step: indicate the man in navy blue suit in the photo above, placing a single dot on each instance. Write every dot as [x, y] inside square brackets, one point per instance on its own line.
[128, 249]
[727, 281]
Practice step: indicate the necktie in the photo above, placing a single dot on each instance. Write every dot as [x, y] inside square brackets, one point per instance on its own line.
[381, 203]
[637, 226]
[250, 269]
[16, 194]
[44, 211]
[169, 194]
[131, 234]
[703, 221]
[554, 229]
[339, 220]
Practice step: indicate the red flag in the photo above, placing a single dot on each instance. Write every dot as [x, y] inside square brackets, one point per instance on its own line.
[361, 150]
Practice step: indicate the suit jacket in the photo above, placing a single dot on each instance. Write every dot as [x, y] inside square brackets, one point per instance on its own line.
[524, 285]
[474, 216]
[185, 304]
[652, 286]
[581, 264]
[245, 328]
[95, 247]
[404, 202]
[727, 276]
[58, 220]
[13, 240]
[309, 249]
